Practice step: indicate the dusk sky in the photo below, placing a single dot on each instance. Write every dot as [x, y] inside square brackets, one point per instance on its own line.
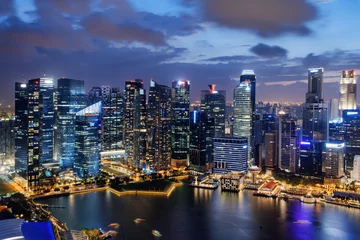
[105, 42]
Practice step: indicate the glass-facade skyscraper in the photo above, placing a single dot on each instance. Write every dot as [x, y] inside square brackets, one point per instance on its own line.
[347, 90]
[135, 122]
[315, 125]
[289, 153]
[180, 128]
[88, 141]
[21, 126]
[243, 112]
[40, 126]
[351, 130]
[159, 125]
[71, 99]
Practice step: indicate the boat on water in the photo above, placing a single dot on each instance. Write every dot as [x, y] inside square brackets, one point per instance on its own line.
[156, 233]
[308, 199]
[302, 222]
[139, 220]
[114, 225]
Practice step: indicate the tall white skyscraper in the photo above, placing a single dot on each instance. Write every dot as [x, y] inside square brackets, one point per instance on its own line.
[347, 90]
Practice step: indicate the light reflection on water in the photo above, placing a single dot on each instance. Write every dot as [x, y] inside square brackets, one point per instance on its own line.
[191, 213]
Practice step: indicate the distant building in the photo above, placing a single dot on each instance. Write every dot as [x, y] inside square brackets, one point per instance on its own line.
[180, 106]
[315, 125]
[355, 172]
[88, 141]
[135, 123]
[334, 108]
[242, 126]
[347, 90]
[40, 127]
[271, 144]
[336, 130]
[21, 126]
[334, 160]
[7, 138]
[112, 119]
[71, 99]
[159, 125]
[94, 95]
[351, 124]
[230, 154]
[289, 153]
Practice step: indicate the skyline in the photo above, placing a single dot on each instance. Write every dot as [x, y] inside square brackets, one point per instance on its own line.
[179, 40]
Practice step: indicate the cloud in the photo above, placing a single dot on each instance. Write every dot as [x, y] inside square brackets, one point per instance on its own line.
[99, 25]
[72, 6]
[267, 51]
[267, 18]
[234, 58]
[203, 44]
[6, 7]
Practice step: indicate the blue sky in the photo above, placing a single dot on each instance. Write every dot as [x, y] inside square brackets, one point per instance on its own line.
[204, 41]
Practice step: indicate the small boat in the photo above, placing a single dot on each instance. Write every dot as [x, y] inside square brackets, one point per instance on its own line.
[114, 225]
[156, 233]
[139, 220]
[308, 199]
[302, 222]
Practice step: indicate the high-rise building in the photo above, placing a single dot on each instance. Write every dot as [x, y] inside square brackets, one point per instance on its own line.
[230, 154]
[289, 152]
[315, 125]
[94, 95]
[88, 141]
[112, 119]
[40, 127]
[334, 108]
[334, 159]
[159, 125]
[7, 137]
[355, 172]
[180, 127]
[71, 99]
[336, 130]
[242, 126]
[347, 90]
[351, 128]
[135, 123]
[213, 104]
[271, 146]
[200, 122]
[21, 126]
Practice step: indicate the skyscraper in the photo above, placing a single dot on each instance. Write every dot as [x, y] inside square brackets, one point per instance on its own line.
[289, 153]
[7, 138]
[88, 141]
[40, 126]
[135, 122]
[159, 125]
[94, 95]
[21, 126]
[334, 108]
[315, 125]
[271, 146]
[351, 129]
[242, 126]
[347, 90]
[112, 119]
[180, 107]
[334, 159]
[71, 99]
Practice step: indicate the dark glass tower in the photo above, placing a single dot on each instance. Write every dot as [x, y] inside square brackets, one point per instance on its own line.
[112, 119]
[88, 141]
[289, 154]
[180, 106]
[159, 125]
[351, 128]
[315, 125]
[135, 123]
[71, 99]
[21, 126]
[40, 127]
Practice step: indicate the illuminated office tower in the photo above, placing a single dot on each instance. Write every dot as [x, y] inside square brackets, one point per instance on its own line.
[40, 127]
[334, 108]
[334, 159]
[112, 119]
[180, 127]
[159, 125]
[351, 129]
[88, 141]
[315, 125]
[71, 99]
[289, 152]
[21, 126]
[135, 123]
[243, 112]
[347, 90]
[94, 95]
[249, 76]
[7, 138]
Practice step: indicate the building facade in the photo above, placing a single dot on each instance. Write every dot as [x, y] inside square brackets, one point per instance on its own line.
[334, 160]
[71, 99]
[21, 126]
[347, 90]
[289, 153]
[88, 141]
[351, 125]
[159, 125]
[230, 155]
[180, 127]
